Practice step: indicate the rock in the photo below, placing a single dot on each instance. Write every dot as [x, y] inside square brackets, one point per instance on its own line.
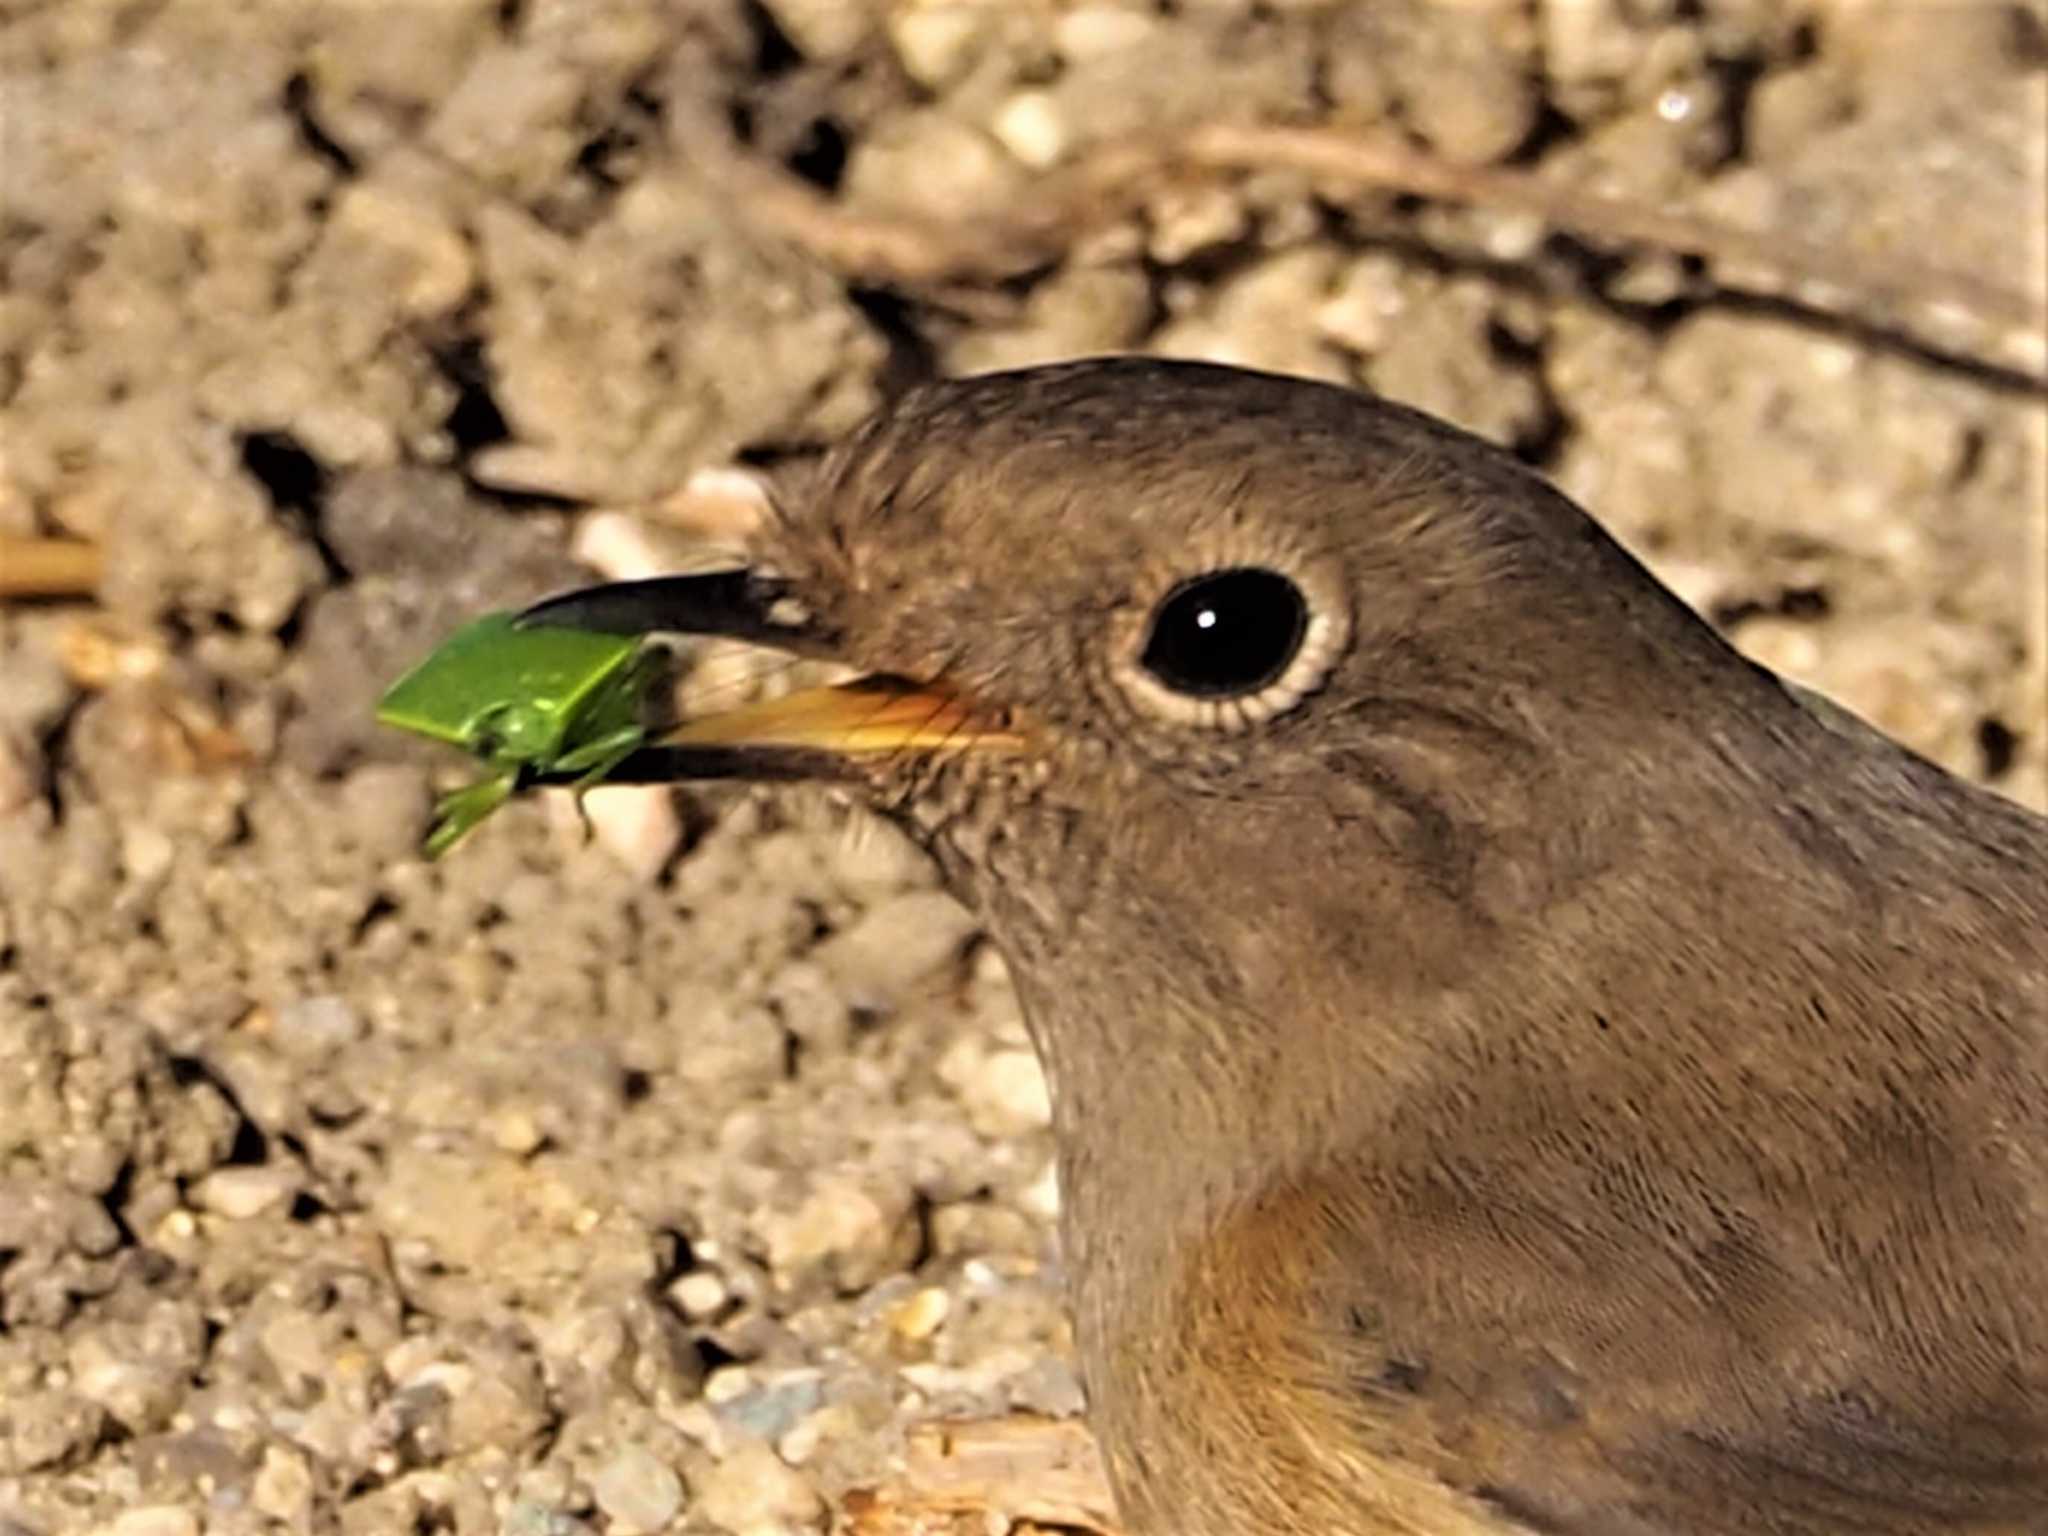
[1463, 87]
[138, 1386]
[764, 1405]
[811, 1007]
[240, 1193]
[701, 1294]
[637, 1491]
[158, 1520]
[1365, 304]
[1187, 220]
[1006, 1094]
[419, 255]
[1093, 31]
[516, 1129]
[514, 1225]
[937, 43]
[1442, 359]
[624, 1343]
[1252, 319]
[315, 1027]
[637, 824]
[735, 1050]
[753, 1490]
[619, 546]
[198, 1458]
[530, 1517]
[933, 166]
[848, 1233]
[1041, 1197]
[46, 1429]
[1030, 126]
[821, 29]
[920, 1315]
[490, 1394]
[284, 1488]
[896, 945]
[1077, 311]
[1003, 1090]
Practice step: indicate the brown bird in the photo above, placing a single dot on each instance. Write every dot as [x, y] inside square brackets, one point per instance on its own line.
[1516, 1065]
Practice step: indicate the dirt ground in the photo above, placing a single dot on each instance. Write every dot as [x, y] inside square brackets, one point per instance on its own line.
[660, 1181]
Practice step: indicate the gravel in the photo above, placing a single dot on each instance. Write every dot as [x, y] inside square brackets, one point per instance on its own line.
[666, 1180]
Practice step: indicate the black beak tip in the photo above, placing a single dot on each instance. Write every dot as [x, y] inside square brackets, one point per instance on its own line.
[612, 608]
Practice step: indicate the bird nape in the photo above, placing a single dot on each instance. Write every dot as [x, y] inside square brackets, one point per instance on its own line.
[1516, 1065]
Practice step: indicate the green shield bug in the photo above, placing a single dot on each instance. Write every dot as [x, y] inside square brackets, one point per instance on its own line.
[526, 701]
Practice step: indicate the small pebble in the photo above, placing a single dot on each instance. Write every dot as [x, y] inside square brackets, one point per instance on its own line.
[821, 29]
[895, 945]
[1007, 1096]
[848, 1232]
[314, 1026]
[284, 1486]
[146, 853]
[1188, 220]
[839, 1422]
[754, 1489]
[513, 1128]
[157, 1520]
[699, 1294]
[921, 1316]
[43, 1429]
[936, 43]
[528, 1517]
[774, 1407]
[139, 1394]
[1030, 127]
[1041, 1197]
[637, 824]
[1364, 307]
[240, 1193]
[1093, 31]
[725, 505]
[638, 1491]
[619, 546]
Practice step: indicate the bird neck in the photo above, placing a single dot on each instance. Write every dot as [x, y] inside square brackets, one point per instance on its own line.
[1170, 1113]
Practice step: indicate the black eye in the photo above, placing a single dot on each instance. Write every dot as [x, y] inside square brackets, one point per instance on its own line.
[1226, 633]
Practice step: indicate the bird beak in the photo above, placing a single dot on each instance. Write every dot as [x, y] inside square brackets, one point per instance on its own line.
[816, 733]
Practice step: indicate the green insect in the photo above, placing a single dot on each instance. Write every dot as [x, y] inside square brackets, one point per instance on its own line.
[527, 701]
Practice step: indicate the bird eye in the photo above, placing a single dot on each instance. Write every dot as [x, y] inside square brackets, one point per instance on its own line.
[1231, 647]
[1226, 633]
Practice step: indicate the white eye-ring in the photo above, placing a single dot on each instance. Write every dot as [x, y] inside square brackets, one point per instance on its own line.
[1235, 645]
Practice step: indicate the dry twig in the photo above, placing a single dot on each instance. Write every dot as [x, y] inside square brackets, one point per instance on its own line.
[37, 567]
[1946, 313]
[1043, 1474]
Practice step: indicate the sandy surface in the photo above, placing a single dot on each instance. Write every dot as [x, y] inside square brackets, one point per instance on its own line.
[659, 1182]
